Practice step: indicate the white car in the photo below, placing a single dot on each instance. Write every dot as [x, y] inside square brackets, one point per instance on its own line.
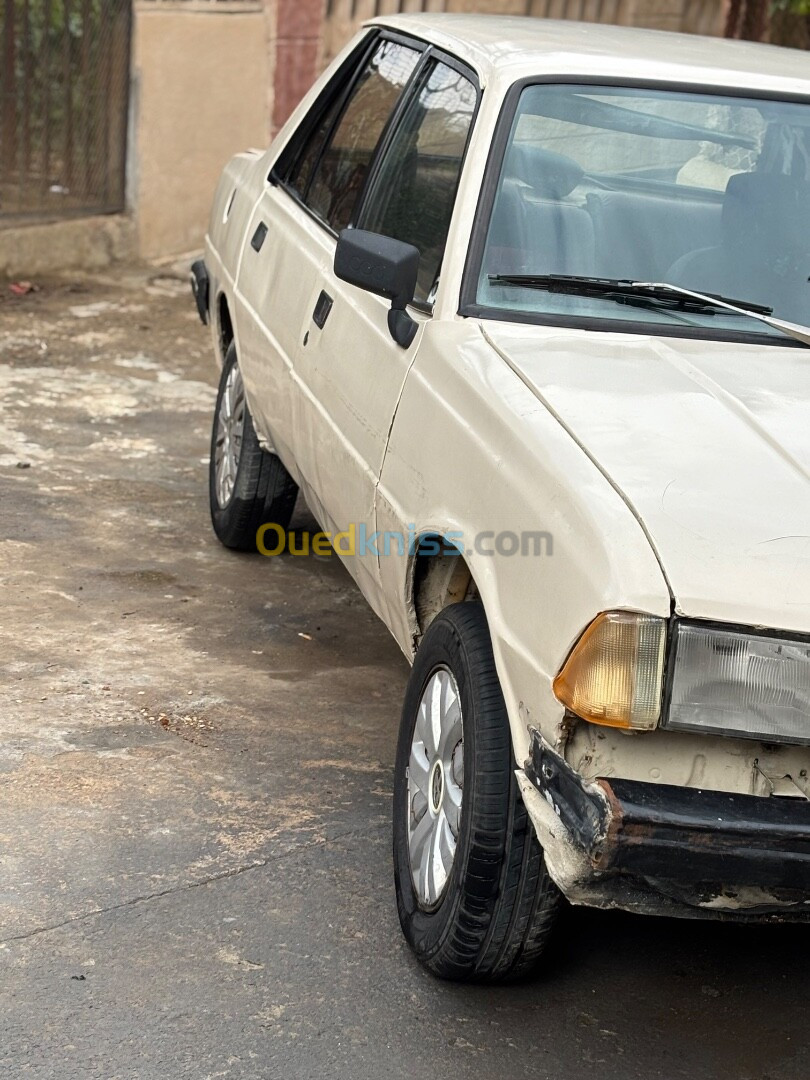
[521, 308]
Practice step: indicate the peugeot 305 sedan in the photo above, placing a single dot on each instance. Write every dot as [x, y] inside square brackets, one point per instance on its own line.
[521, 308]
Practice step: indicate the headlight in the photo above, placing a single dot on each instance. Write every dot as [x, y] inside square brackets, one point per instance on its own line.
[733, 682]
[615, 672]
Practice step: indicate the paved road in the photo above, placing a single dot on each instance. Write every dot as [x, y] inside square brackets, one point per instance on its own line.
[195, 781]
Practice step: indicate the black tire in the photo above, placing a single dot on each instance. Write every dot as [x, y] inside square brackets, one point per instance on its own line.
[495, 916]
[264, 492]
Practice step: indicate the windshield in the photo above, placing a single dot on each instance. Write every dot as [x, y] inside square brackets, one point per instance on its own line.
[704, 192]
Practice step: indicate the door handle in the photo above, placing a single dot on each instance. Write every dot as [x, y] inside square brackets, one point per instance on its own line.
[259, 236]
[322, 309]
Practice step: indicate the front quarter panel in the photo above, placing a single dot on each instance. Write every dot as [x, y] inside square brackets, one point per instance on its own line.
[473, 450]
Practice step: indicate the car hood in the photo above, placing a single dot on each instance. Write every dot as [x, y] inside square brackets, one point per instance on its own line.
[709, 444]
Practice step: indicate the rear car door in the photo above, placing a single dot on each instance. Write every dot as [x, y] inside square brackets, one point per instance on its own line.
[348, 371]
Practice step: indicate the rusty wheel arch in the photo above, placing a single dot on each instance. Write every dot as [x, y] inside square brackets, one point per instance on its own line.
[435, 581]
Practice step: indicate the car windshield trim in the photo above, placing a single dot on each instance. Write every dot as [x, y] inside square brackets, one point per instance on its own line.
[471, 307]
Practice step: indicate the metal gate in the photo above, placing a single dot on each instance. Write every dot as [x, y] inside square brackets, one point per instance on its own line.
[64, 97]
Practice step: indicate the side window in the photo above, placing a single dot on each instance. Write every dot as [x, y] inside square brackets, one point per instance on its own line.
[301, 173]
[331, 169]
[414, 190]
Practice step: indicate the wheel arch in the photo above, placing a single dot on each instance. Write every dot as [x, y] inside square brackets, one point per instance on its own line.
[438, 576]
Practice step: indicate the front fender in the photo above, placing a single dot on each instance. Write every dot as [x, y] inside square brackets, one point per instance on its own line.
[473, 451]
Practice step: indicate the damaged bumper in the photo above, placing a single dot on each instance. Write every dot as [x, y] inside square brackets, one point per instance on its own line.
[661, 849]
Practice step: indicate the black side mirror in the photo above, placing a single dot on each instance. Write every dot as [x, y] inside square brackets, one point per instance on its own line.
[385, 267]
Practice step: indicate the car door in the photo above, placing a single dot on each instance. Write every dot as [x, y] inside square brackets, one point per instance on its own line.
[348, 371]
[310, 188]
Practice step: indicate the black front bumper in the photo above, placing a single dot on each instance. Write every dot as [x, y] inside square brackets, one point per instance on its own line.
[709, 850]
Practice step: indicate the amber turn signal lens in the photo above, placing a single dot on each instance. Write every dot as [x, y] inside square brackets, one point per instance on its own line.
[615, 673]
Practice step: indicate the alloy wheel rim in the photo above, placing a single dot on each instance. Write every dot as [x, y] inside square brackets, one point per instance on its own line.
[230, 432]
[435, 785]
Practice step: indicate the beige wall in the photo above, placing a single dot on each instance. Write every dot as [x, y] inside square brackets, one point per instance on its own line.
[200, 94]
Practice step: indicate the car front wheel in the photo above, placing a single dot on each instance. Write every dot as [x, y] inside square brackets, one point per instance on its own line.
[474, 897]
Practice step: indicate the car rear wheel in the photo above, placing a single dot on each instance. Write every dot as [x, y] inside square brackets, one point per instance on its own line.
[474, 897]
[247, 486]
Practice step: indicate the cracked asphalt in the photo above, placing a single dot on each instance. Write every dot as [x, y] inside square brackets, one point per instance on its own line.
[196, 756]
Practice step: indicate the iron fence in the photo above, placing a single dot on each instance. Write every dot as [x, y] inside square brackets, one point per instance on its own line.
[64, 98]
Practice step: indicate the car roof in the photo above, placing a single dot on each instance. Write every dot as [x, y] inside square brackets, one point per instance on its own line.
[509, 48]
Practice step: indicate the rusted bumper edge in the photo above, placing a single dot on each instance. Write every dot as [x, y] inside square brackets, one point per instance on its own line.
[668, 850]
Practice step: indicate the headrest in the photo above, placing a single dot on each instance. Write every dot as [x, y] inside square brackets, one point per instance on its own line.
[548, 174]
[769, 206]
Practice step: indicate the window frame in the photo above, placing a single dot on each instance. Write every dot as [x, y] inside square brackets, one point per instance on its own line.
[468, 305]
[431, 56]
[340, 89]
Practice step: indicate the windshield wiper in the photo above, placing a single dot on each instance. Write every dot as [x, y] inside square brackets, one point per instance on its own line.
[626, 291]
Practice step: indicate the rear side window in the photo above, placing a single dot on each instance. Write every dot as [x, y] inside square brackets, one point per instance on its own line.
[414, 189]
[301, 173]
[331, 169]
